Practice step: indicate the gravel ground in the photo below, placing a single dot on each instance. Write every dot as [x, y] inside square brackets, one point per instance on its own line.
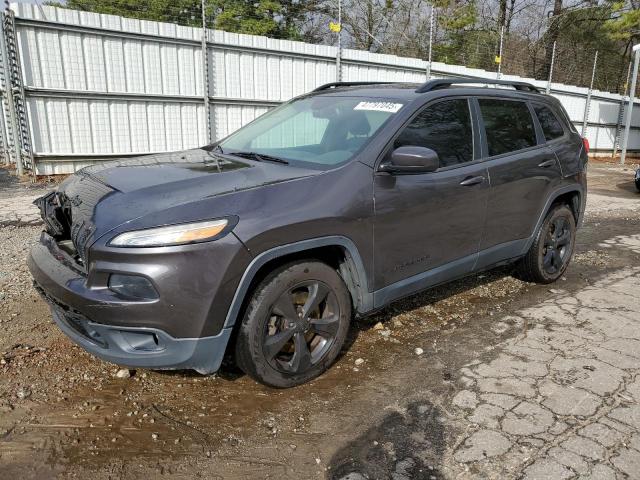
[488, 377]
[16, 197]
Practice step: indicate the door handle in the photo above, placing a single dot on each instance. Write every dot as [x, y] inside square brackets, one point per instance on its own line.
[472, 181]
[547, 163]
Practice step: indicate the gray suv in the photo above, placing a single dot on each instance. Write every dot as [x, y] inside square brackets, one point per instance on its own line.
[265, 245]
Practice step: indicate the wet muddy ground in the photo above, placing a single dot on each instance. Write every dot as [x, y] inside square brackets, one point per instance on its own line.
[393, 413]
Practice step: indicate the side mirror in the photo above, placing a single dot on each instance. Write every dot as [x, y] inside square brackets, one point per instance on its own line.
[411, 160]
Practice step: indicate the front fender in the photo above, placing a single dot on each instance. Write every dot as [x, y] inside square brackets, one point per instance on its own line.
[353, 258]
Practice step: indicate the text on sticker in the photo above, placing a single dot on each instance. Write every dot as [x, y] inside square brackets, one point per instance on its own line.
[379, 106]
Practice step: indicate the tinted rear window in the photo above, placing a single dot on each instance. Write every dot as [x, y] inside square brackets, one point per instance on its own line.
[508, 125]
[550, 124]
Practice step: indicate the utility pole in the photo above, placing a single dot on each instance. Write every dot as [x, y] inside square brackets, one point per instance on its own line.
[632, 95]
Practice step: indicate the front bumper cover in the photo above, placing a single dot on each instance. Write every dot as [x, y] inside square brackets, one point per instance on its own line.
[142, 347]
[121, 331]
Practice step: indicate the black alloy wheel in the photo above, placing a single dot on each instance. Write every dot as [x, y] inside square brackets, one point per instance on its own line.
[303, 324]
[550, 254]
[295, 324]
[555, 253]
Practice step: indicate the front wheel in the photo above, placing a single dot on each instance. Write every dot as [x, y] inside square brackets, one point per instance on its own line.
[549, 256]
[295, 325]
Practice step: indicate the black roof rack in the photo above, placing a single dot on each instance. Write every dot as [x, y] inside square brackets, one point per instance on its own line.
[447, 82]
[327, 86]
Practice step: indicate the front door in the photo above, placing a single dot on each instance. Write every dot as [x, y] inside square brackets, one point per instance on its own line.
[428, 226]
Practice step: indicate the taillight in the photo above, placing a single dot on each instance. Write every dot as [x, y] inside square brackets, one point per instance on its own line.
[585, 142]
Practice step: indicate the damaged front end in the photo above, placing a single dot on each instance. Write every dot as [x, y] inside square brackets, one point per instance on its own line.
[68, 214]
[127, 306]
[56, 214]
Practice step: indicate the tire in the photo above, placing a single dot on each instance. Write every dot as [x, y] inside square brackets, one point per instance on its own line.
[301, 304]
[549, 256]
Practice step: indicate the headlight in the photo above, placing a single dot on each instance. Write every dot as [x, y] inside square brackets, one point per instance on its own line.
[171, 235]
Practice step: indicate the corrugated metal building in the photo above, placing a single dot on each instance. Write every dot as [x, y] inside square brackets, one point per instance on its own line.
[99, 85]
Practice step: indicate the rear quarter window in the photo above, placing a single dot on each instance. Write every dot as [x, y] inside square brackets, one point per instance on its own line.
[551, 126]
[508, 125]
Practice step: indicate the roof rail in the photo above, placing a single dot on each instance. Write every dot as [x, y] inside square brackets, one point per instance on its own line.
[327, 86]
[447, 82]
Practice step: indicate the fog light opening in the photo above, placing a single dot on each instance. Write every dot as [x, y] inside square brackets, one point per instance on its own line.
[132, 287]
[141, 341]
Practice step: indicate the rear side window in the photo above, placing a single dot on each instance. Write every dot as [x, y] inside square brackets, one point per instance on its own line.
[444, 127]
[508, 125]
[550, 124]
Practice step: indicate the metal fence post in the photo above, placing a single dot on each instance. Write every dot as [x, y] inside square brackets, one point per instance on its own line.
[6, 135]
[13, 145]
[553, 57]
[15, 90]
[632, 94]
[205, 74]
[339, 52]
[616, 138]
[587, 105]
[430, 42]
[500, 52]
[4, 150]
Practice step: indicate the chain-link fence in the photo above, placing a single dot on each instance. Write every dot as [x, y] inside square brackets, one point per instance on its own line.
[539, 46]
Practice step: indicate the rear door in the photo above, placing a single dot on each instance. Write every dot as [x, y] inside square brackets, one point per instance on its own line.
[522, 170]
[431, 222]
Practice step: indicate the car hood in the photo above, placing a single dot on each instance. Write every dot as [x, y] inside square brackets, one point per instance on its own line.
[217, 174]
[158, 189]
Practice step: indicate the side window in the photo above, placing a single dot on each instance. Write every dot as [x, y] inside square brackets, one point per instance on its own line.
[550, 124]
[508, 125]
[444, 127]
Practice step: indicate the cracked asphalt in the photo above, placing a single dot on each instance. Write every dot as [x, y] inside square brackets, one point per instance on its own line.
[488, 377]
[563, 399]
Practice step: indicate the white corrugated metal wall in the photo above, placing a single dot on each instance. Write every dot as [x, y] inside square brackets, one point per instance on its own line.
[100, 85]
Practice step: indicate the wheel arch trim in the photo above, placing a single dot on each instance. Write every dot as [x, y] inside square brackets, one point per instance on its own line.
[353, 258]
[552, 198]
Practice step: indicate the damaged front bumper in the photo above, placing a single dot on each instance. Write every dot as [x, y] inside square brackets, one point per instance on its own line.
[142, 347]
[127, 333]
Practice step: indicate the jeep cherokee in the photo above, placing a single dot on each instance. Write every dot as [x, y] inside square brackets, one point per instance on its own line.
[265, 244]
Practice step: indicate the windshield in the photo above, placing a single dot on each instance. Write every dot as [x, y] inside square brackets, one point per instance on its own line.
[321, 131]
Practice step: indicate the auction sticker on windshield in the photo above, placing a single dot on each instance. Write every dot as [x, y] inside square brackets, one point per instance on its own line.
[379, 106]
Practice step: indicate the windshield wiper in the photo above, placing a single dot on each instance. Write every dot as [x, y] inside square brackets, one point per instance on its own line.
[260, 157]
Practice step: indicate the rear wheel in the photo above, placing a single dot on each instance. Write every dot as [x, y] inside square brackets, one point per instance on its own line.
[549, 256]
[295, 325]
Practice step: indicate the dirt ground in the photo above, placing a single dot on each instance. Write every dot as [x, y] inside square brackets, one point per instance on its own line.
[514, 380]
